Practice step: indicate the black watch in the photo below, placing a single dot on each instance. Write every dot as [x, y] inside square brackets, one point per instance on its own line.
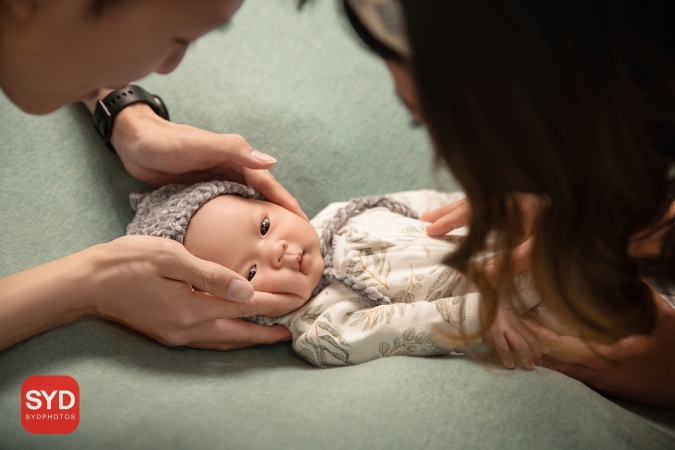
[108, 108]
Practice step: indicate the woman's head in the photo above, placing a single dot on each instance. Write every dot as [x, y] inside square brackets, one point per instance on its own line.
[54, 52]
[573, 101]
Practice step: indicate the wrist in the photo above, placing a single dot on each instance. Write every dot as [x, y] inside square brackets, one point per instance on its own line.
[130, 124]
[104, 261]
[80, 270]
[107, 109]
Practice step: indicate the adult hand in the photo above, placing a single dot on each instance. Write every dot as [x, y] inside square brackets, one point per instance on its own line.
[160, 152]
[638, 368]
[447, 218]
[146, 284]
[514, 341]
[458, 214]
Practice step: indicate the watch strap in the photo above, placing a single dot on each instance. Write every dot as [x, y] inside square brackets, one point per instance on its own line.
[110, 106]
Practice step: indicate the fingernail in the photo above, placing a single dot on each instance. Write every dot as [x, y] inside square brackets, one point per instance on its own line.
[240, 290]
[262, 157]
[296, 305]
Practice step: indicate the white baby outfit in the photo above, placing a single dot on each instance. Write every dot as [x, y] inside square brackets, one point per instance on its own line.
[432, 307]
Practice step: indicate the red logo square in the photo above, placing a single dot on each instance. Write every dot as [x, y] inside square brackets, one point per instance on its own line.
[50, 404]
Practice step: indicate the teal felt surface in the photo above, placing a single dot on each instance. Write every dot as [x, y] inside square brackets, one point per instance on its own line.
[297, 86]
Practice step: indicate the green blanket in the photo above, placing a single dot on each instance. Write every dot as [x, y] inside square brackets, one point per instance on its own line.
[297, 86]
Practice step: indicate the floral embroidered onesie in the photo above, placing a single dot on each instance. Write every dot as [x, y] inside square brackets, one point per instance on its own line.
[431, 302]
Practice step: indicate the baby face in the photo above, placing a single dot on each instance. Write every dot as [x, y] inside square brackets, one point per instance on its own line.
[274, 249]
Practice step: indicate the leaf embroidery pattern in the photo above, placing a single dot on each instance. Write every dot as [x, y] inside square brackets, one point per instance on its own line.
[415, 231]
[373, 316]
[434, 291]
[414, 284]
[353, 236]
[444, 307]
[311, 314]
[372, 263]
[410, 344]
[332, 344]
[451, 289]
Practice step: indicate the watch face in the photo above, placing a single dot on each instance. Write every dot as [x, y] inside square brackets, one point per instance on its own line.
[102, 121]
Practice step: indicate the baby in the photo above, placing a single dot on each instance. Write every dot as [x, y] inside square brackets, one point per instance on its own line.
[376, 280]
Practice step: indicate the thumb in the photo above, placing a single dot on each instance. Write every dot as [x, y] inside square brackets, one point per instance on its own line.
[240, 152]
[210, 277]
[213, 149]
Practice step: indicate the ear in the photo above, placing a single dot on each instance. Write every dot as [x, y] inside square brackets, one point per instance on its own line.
[22, 9]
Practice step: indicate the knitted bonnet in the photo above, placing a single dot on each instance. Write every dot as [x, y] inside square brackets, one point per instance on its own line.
[166, 212]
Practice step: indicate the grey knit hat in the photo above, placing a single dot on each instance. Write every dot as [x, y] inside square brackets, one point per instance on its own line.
[166, 212]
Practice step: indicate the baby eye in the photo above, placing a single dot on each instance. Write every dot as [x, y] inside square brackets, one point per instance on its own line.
[251, 273]
[265, 226]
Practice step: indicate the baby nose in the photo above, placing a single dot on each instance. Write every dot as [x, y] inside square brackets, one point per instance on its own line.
[279, 252]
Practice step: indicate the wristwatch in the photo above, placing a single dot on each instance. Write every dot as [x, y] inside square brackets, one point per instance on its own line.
[110, 106]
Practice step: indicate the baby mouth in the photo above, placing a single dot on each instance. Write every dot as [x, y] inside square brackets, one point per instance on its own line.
[302, 263]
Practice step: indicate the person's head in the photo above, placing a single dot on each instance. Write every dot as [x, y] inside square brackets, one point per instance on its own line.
[570, 100]
[54, 52]
[231, 224]
[276, 250]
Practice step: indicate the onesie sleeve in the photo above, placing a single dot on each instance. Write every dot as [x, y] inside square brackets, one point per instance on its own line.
[338, 328]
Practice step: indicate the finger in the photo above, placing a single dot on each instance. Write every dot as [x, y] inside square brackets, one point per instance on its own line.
[541, 341]
[456, 219]
[273, 191]
[204, 275]
[532, 342]
[518, 344]
[504, 352]
[230, 148]
[433, 216]
[231, 334]
[272, 305]
[204, 306]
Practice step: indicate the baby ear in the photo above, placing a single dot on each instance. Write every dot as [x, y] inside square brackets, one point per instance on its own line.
[22, 9]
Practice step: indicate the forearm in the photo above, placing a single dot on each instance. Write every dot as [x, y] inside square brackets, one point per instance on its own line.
[44, 297]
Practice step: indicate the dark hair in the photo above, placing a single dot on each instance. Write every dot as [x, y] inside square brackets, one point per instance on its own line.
[572, 101]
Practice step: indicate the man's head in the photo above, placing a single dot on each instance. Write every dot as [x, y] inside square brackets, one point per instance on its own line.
[276, 250]
[54, 52]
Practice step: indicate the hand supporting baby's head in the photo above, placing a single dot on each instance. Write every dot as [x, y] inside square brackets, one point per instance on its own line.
[276, 250]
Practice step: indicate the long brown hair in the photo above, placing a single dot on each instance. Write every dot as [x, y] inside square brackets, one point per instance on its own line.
[572, 101]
